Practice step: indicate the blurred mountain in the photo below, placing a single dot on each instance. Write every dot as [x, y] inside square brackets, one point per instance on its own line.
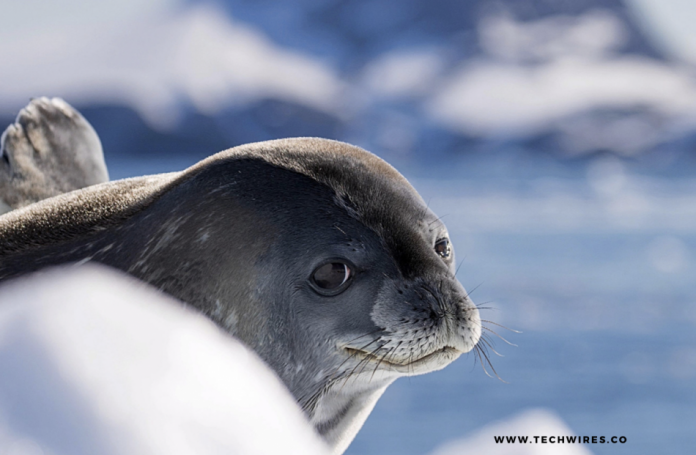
[412, 80]
[350, 33]
[571, 78]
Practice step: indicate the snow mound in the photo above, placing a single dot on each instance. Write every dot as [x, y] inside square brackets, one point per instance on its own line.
[93, 362]
[153, 59]
[534, 422]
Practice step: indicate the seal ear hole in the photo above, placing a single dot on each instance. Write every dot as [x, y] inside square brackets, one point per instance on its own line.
[331, 278]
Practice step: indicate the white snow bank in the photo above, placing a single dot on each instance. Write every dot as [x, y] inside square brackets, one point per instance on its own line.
[489, 96]
[150, 57]
[539, 74]
[404, 73]
[534, 422]
[92, 362]
[670, 24]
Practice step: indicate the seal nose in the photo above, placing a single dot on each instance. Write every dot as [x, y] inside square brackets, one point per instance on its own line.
[462, 319]
[465, 327]
[454, 312]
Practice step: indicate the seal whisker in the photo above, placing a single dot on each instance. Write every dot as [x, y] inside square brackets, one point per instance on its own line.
[482, 352]
[384, 357]
[379, 362]
[363, 362]
[394, 354]
[354, 352]
[496, 334]
[468, 293]
[481, 307]
[367, 334]
[352, 373]
[461, 263]
[410, 361]
[368, 358]
[342, 231]
[487, 342]
[478, 350]
[500, 325]
[310, 404]
[437, 219]
[424, 212]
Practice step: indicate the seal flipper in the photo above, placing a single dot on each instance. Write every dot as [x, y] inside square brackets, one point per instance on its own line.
[49, 150]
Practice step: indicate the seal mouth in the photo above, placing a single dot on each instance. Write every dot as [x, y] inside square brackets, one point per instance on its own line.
[438, 359]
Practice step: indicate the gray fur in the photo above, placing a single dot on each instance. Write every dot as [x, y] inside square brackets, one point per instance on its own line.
[238, 235]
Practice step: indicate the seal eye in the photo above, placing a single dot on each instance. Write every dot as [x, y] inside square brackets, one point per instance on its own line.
[442, 248]
[331, 276]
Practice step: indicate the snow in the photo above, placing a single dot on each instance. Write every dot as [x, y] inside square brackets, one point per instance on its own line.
[533, 75]
[541, 71]
[549, 74]
[671, 24]
[404, 74]
[94, 362]
[153, 59]
[486, 96]
[553, 74]
[534, 422]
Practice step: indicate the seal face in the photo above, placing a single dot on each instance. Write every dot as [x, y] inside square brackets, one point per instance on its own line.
[316, 254]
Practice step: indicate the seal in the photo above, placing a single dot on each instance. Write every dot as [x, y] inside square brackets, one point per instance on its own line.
[316, 254]
[51, 149]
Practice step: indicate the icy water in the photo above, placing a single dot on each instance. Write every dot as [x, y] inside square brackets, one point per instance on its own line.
[594, 262]
[595, 266]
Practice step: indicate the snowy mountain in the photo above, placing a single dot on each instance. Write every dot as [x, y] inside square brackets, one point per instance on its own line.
[411, 80]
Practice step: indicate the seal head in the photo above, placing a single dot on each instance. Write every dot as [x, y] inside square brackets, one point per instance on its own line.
[316, 254]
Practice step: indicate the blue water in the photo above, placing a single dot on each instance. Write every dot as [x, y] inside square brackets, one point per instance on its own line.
[607, 310]
[612, 359]
[597, 274]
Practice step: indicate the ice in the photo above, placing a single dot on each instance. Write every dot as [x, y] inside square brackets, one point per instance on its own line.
[540, 75]
[94, 362]
[533, 422]
[153, 59]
